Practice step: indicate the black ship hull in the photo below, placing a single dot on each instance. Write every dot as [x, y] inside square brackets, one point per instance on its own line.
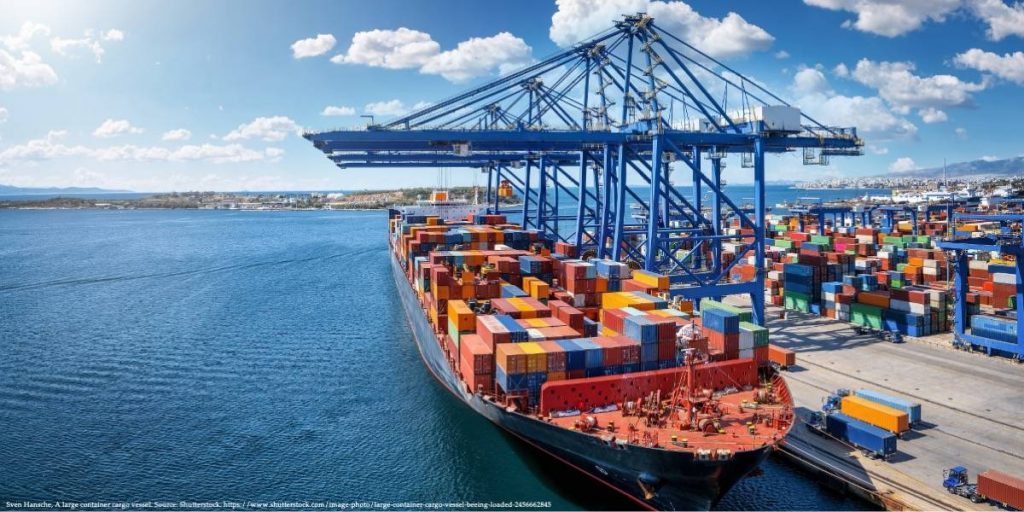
[674, 480]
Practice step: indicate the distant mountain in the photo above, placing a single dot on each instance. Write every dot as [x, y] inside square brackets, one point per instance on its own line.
[1005, 167]
[8, 190]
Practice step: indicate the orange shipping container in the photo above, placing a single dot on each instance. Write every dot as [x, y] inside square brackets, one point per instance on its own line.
[510, 357]
[880, 299]
[876, 414]
[781, 356]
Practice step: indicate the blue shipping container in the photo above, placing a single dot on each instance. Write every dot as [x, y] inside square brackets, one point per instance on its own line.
[593, 355]
[722, 321]
[995, 328]
[575, 357]
[860, 434]
[513, 382]
[641, 329]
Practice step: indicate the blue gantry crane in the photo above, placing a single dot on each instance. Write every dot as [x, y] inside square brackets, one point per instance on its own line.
[603, 125]
[1009, 244]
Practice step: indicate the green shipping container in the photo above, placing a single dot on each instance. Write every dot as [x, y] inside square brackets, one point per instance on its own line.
[745, 314]
[821, 239]
[783, 244]
[866, 315]
[797, 301]
[760, 333]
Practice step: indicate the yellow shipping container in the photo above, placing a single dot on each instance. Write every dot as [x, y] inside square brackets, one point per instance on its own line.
[461, 315]
[553, 376]
[536, 322]
[651, 279]
[539, 289]
[536, 357]
[527, 282]
[876, 414]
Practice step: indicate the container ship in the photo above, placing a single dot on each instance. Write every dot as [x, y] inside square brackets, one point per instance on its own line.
[588, 361]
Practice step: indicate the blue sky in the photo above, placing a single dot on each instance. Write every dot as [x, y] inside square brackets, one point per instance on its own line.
[188, 95]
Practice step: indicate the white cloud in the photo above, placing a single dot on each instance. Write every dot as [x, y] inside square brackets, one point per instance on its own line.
[3, 115]
[20, 41]
[989, 158]
[113, 35]
[421, 105]
[1003, 19]
[176, 135]
[338, 111]
[67, 47]
[386, 108]
[809, 81]
[274, 128]
[841, 70]
[897, 84]
[1009, 66]
[903, 164]
[392, 49]
[932, 115]
[26, 70]
[313, 46]
[870, 115]
[730, 36]
[890, 18]
[961, 133]
[405, 48]
[478, 56]
[782, 54]
[51, 148]
[113, 128]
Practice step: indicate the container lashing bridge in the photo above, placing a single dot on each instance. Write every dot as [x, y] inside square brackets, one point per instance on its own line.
[601, 125]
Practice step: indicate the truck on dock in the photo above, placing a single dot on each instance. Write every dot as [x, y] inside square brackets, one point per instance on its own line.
[992, 486]
[872, 441]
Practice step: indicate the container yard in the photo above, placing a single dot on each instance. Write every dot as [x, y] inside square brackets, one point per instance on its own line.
[611, 337]
[961, 408]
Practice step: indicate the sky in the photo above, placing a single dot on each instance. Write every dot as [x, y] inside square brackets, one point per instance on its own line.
[186, 95]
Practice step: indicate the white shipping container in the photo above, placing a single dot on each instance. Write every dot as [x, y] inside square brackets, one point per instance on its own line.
[977, 265]
[919, 309]
[1002, 278]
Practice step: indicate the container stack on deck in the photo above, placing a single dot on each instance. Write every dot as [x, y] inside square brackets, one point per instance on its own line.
[513, 320]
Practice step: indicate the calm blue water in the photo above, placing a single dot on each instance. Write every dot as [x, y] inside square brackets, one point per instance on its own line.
[216, 355]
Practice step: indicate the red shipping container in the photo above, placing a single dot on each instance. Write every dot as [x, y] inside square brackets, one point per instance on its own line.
[666, 329]
[568, 314]
[667, 350]
[491, 331]
[483, 381]
[1006, 489]
[556, 356]
[477, 357]
[630, 349]
[611, 350]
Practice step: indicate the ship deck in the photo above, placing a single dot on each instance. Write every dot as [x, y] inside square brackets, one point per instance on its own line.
[742, 427]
